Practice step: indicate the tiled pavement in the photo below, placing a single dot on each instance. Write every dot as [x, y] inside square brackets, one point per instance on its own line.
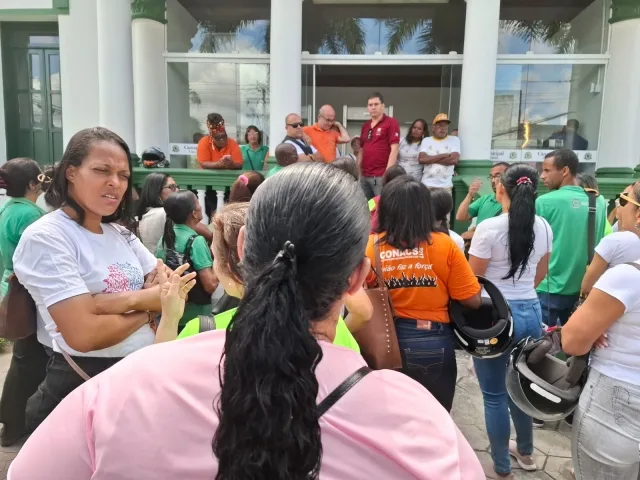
[553, 444]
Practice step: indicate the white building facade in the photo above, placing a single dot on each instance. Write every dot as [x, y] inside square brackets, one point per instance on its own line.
[515, 77]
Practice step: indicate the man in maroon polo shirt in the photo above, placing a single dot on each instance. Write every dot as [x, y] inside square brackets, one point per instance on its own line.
[379, 140]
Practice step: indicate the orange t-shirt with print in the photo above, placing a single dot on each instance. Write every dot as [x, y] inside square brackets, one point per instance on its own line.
[325, 141]
[422, 280]
[208, 152]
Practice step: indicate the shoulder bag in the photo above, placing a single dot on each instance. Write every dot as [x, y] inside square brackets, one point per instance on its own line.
[17, 312]
[377, 338]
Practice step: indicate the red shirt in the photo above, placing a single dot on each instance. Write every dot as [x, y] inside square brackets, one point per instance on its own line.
[376, 145]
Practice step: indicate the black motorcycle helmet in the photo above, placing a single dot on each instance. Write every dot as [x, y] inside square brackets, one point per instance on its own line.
[488, 331]
[542, 385]
[154, 158]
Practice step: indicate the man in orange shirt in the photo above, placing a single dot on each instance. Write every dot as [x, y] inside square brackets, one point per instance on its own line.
[218, 151]
[326, 134]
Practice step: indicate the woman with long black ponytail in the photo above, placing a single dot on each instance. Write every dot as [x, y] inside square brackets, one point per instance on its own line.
[511, 250]
[251, 393]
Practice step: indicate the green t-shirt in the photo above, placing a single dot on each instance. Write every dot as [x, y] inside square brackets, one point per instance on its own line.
[200, 257]
[344, 338]
[485, 207]
[566, 210]
[274, 170]
[15, 216]
[253, 159]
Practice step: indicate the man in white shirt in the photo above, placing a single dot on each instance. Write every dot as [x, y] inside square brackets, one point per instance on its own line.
[439, 154]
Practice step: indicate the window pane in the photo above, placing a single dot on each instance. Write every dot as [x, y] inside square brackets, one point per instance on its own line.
[577, 27]
[34, 60]
[239, 92]
[54, 72]
[56, 110]
[218, 27]
[384, 26]
[410, 92]
[539, 108]
[37, 107]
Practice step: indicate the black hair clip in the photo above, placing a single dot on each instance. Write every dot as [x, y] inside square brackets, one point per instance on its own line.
[288, 252]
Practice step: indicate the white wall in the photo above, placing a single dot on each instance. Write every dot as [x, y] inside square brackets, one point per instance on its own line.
[22, 4]
[79, 67]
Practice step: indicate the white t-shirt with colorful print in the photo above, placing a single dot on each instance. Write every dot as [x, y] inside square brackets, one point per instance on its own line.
[57, 259]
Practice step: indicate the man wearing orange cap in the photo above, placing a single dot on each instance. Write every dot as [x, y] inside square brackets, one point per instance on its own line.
[439, 154]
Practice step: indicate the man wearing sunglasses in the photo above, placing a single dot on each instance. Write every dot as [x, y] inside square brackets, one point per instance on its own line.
[217, 151]
[566, 208]
[296, 137]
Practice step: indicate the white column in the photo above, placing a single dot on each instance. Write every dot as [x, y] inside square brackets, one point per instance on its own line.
[285, 66]
[115, 68]
[620, 128]
[150, 85]
[79, 79]
[203, 205]
[478, 78]
[220, 203]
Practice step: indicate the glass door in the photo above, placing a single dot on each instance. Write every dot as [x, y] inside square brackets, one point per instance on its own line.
[33, 98]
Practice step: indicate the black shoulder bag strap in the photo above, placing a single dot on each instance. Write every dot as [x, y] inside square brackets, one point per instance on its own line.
[342, 389]
[187, 251]
[305, 148]
[591, 224]
[206, 323]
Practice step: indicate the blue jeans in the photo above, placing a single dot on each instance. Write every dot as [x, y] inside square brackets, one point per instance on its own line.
[556, 308]
[491, 374]
[428, 356]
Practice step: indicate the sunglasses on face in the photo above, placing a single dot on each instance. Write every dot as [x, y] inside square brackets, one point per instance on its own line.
[173, 187]
[219, 138]
[296, 125]
[624, 199]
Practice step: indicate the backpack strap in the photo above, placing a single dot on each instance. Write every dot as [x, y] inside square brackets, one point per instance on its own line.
[342, 389]
[206, 323]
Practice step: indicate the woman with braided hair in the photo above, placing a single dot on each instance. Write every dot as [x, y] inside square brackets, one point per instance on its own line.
[251, 402]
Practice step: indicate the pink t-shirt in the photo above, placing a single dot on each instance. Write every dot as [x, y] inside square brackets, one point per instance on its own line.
[151, 417]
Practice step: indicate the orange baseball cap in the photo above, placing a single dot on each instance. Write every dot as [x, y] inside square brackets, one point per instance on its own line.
[441, 117]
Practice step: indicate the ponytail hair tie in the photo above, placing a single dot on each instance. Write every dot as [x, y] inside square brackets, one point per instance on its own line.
[524, 180]
[244, 179]
[288, 252]
[3, 184]
[42, 178]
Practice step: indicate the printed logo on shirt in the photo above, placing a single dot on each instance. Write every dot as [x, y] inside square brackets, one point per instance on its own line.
[123, 277]
[576, 203]
[407, 282]
[409, 253]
